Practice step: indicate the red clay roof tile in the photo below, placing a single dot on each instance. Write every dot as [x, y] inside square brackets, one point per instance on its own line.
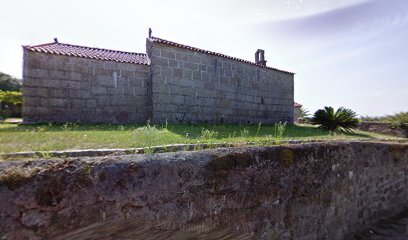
[167, 42]
[90, 52]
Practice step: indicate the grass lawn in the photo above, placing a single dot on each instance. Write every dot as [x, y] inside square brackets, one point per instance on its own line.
[15, 138]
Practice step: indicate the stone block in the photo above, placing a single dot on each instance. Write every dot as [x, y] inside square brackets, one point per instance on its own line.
[188, 91]
[177, 73]
[182, 56]
[177, 99]
[104, 101]
[57, 102]
[79, 93]
[203, 67]
[32, 59]
[37, 73]
[118, 100]
[197, 75]
[168, 54]
[160, 61]
[187, 74]
[57, 93]
[85, 85]
[80, 67]
[166, 107]
[205, 76]
[173, 63]
[31, 82]
[77, 104]
[96, 63]
[160, 88]
[34, 101]
[155, 51]
[101, 71]
[35, 92]
[59, 74]
[74, 85]
[41, 110]
[98, 90]
[190, 66]
[195, 58]
[187, 83]
[167, 71]
[127, 66]
[56, 83]
[105, 80]
[110, 65]
[190, 101]
[126, 74]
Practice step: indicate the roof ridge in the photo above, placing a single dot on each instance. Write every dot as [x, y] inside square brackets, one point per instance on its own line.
[94, 48]
[164, 41]
[98, 48]
[39, 45]
[90, 52]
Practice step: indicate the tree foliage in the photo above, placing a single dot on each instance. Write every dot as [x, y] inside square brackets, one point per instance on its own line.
[11, 98]
[342, 120]
[9, 83]
[398, 120]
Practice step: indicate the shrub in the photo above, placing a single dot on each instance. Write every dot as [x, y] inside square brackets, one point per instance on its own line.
[10, 103]
[398, 120]
[149, 135]
[342, 120]
[279, 130]
[207, 134]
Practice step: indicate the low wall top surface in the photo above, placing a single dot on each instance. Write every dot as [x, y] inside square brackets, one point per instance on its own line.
[306, 191]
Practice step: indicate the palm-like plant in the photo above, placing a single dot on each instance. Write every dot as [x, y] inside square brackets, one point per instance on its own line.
[342, 120]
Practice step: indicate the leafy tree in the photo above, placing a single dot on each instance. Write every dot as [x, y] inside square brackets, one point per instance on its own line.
[10, 104]
[342, 120]
[11, 98]
[304, 113]
[9, 83]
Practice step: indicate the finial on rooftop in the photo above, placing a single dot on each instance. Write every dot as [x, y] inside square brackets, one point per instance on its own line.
[260, 57]
[150, 32]
[56, 40]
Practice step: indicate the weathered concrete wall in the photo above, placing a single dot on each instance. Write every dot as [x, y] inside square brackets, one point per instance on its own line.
[70, 89]
[198, 87]
[308, 191]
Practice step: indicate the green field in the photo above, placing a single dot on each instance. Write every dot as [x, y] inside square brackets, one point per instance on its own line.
[15, 138]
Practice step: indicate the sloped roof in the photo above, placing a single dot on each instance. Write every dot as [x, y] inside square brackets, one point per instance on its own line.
[90, 52]
[297, 104]
[170, 43]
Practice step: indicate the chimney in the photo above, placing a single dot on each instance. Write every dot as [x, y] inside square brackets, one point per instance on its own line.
[260, 57]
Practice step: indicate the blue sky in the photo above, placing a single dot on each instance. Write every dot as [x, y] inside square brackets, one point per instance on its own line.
[350, 53]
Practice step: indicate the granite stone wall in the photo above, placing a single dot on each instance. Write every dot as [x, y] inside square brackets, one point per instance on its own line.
[70, 89]
[305, 191]
[189, 86]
